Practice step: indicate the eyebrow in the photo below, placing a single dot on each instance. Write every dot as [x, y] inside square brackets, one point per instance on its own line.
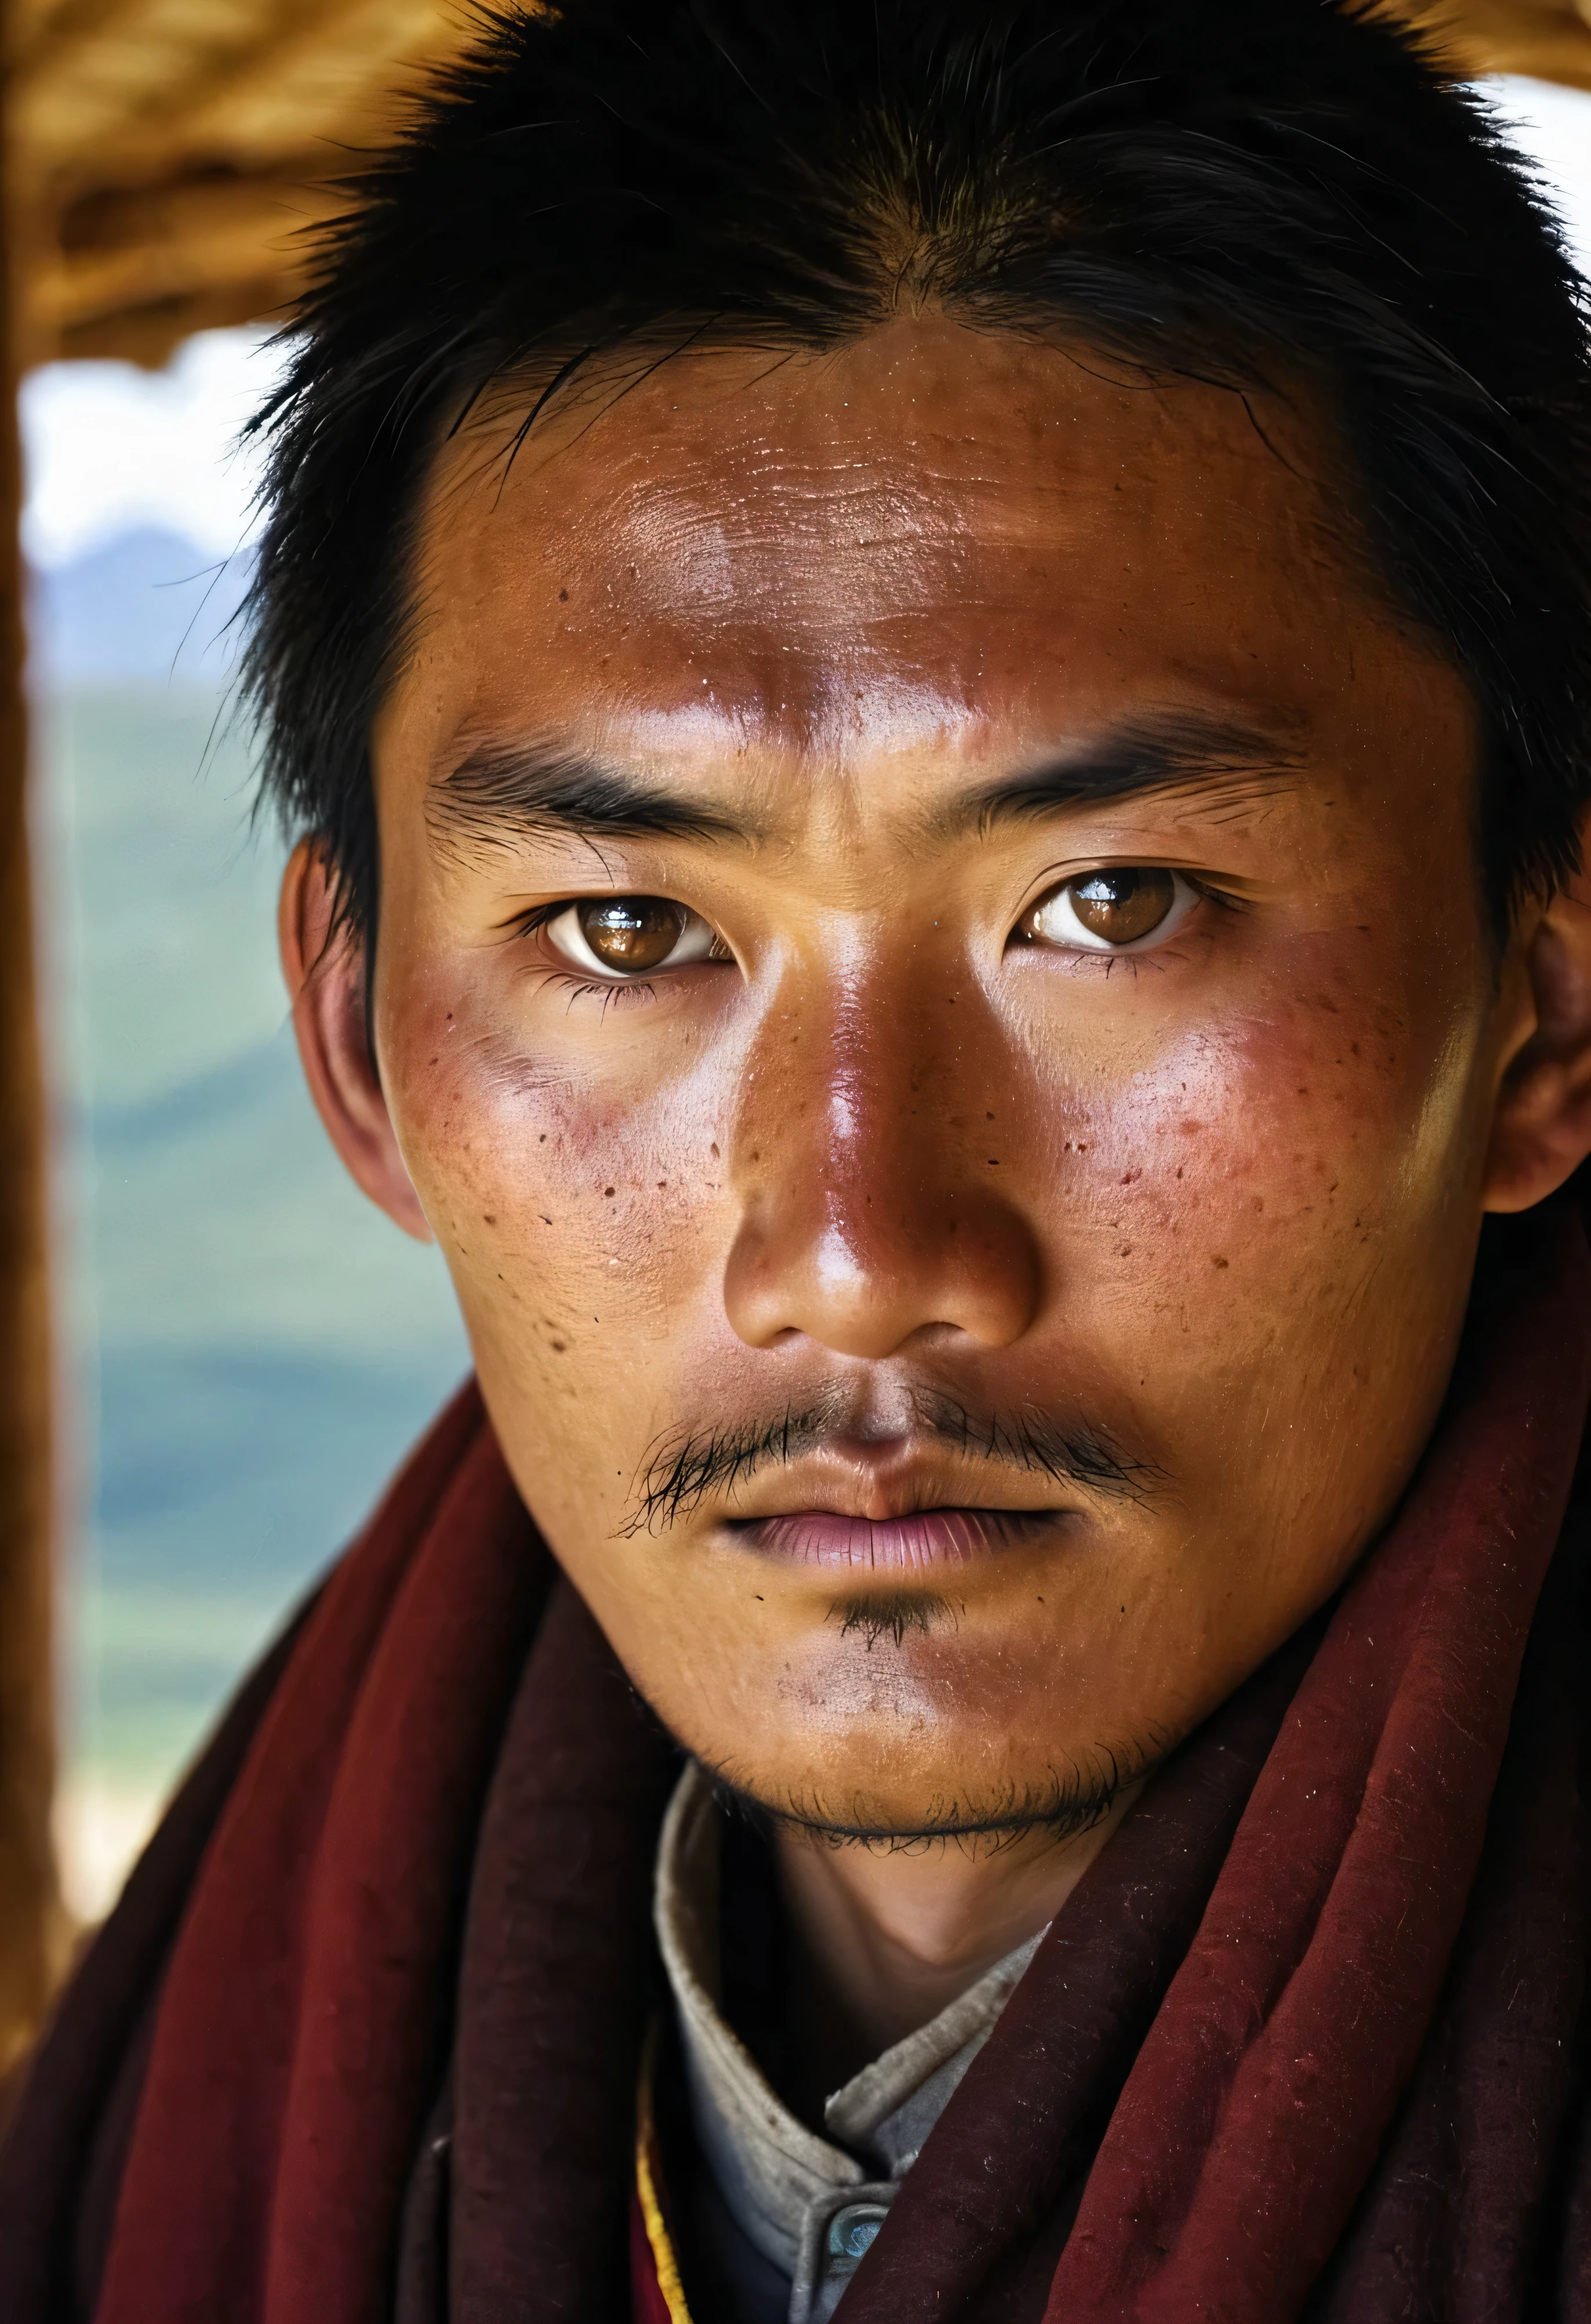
[1230, 762]
[502, 791]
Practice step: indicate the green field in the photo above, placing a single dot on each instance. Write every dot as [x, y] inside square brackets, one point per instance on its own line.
[248, 1345]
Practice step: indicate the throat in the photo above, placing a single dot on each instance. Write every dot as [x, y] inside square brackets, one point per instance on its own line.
[879, 1941]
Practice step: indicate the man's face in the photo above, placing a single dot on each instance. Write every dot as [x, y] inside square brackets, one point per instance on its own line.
[960, 1272]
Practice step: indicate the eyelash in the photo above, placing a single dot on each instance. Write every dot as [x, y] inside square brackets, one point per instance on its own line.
[611, 992]
[568, 980]
[542, 917]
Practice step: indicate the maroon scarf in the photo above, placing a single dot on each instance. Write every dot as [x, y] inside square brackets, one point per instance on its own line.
[1308, 2040]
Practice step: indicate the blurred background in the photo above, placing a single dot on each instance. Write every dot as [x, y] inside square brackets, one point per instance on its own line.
[247, 1344]
[244, 1347]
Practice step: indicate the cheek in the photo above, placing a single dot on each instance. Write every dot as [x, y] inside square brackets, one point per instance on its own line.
[1322, 1114]
[1278, 1223]
[571, 1213]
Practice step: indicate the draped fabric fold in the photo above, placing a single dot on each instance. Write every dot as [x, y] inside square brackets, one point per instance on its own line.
[308, 1997]
[1307, 2040]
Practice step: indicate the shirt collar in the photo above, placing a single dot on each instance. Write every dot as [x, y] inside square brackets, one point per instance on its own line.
[780, 2181]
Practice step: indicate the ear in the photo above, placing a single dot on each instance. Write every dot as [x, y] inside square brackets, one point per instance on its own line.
[1541, 1128]
[324, 971]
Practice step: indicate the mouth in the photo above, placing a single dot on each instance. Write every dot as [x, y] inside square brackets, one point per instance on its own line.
[922, 1541]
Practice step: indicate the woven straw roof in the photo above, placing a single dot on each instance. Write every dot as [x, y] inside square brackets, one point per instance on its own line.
[168, 149]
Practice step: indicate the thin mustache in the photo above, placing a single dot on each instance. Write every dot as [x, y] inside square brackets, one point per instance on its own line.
[679, 1471]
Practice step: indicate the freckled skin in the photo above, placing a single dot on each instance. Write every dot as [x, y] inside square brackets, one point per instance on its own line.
[1219, 1198]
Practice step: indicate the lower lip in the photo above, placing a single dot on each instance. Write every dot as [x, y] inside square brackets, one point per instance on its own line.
[928, 1539]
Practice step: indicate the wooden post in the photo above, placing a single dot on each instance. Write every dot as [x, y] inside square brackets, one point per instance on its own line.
[31, 1925]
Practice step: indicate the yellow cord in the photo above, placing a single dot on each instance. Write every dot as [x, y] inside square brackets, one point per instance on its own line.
[657, 2236]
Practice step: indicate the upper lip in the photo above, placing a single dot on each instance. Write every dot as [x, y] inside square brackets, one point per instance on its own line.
[881, 1479]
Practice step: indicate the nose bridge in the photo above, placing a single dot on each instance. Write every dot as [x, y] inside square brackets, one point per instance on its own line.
[840, 1076]
[863, 1219]
[864, 1064]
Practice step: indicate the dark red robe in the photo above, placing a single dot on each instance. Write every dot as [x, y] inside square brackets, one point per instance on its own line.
[1309, 2039]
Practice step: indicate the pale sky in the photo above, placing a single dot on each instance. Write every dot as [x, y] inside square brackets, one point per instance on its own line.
[111, 448]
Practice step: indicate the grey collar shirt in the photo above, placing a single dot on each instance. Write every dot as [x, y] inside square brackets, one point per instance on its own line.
[808, 2206]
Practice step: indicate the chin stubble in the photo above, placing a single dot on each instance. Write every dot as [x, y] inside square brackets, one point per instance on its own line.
[1067, 1803]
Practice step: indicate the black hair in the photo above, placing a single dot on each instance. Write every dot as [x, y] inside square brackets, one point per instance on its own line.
[1246, 189]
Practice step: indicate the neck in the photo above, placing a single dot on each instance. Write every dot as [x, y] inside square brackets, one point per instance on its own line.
[887, 1938]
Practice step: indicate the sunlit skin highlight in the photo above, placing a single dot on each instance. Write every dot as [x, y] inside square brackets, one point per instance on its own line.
[1211, 1204]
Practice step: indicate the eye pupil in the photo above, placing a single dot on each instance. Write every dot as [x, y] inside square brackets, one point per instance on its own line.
[632, 932]
[1124, 903]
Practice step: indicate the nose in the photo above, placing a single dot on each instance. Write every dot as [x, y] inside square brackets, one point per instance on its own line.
[872, 1210]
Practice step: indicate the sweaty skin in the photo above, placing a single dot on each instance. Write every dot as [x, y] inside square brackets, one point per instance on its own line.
[881, 635]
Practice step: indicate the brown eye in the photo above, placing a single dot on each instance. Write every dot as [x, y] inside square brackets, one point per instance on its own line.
[1106, 910]
[624, 937]
[1122, 906]
[633, 933]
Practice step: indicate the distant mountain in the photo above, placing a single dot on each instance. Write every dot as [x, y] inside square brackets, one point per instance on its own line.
[149, 605]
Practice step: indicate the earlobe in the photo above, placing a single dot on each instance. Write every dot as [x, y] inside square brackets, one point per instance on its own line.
[1541, 1127]
[324, 971]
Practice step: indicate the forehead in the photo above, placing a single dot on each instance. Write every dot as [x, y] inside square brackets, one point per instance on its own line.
[932, 530]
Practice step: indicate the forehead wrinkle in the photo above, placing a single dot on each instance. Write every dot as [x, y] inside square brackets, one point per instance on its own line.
[859, 567]
[888, 533]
